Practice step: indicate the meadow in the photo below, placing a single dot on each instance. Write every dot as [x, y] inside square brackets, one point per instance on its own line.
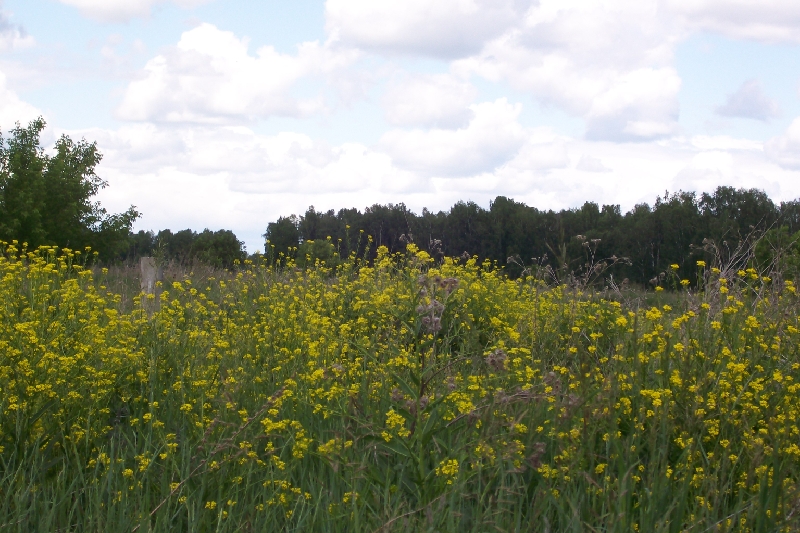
[403, 394]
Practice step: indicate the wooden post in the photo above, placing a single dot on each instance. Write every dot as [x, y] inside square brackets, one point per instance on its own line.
[150, 275]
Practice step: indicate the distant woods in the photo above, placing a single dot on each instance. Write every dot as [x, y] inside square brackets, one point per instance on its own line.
[677, 229]
[220, 249]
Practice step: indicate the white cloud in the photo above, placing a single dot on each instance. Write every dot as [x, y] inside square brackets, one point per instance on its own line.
[704, 171]
[642, 104]
[762, 20]
[725, 142]
[639, 172]
[542, 152]
[143, 148]
[588, 163]
[491, 138]
[11, 36]
[231, 177]
[122, 10]
[784, 150]
[709, 169]
[287, 163]
[305, 166]
[749, 101]
[444, 28]
[608, 62]
[12, 109]
[210, 77]
[429, 100]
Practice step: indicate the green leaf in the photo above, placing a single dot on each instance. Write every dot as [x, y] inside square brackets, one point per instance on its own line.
[398, 446]
[442, 444]
[405, 386]
[430, 427]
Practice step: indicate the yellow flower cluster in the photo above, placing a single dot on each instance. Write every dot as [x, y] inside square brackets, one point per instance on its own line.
[448, 469]
[285, 388]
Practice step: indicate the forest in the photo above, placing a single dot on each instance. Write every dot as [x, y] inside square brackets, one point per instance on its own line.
[679, 228]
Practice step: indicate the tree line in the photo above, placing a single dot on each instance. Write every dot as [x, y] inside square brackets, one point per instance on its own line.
[215, 248]
[679, 228]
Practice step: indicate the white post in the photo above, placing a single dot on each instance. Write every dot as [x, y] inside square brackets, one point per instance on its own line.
[150, 275]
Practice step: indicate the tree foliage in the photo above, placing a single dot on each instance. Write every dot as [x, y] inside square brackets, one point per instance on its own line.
[216, 248]
[48, 199]
[652, 237]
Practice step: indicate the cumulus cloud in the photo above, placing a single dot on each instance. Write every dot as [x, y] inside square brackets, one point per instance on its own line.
[439, 100]
[283, 163]
[122, 10]
[725, 143]
[704, 171]
[784, 149]
[12, 36]
[642, 104]
[542, 152]
[210, 77]
[610, 63]
[234, 178]
[749, 101]
[445, 28]
[588, 163]
[709, 169]
[316, 168]
[491, 138]
[764, 20]
[12, 109]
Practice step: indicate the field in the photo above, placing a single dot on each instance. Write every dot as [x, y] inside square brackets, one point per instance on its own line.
[404, 395]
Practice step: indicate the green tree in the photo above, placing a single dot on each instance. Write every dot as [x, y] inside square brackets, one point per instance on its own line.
[734, 213]
[779, 251]
[48, 199]
[218, 248]
[283, 237]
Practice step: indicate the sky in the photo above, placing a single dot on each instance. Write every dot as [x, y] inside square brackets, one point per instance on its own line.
[230, 113]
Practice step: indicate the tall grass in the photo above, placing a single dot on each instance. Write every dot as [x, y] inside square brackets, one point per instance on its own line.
[410, 395]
